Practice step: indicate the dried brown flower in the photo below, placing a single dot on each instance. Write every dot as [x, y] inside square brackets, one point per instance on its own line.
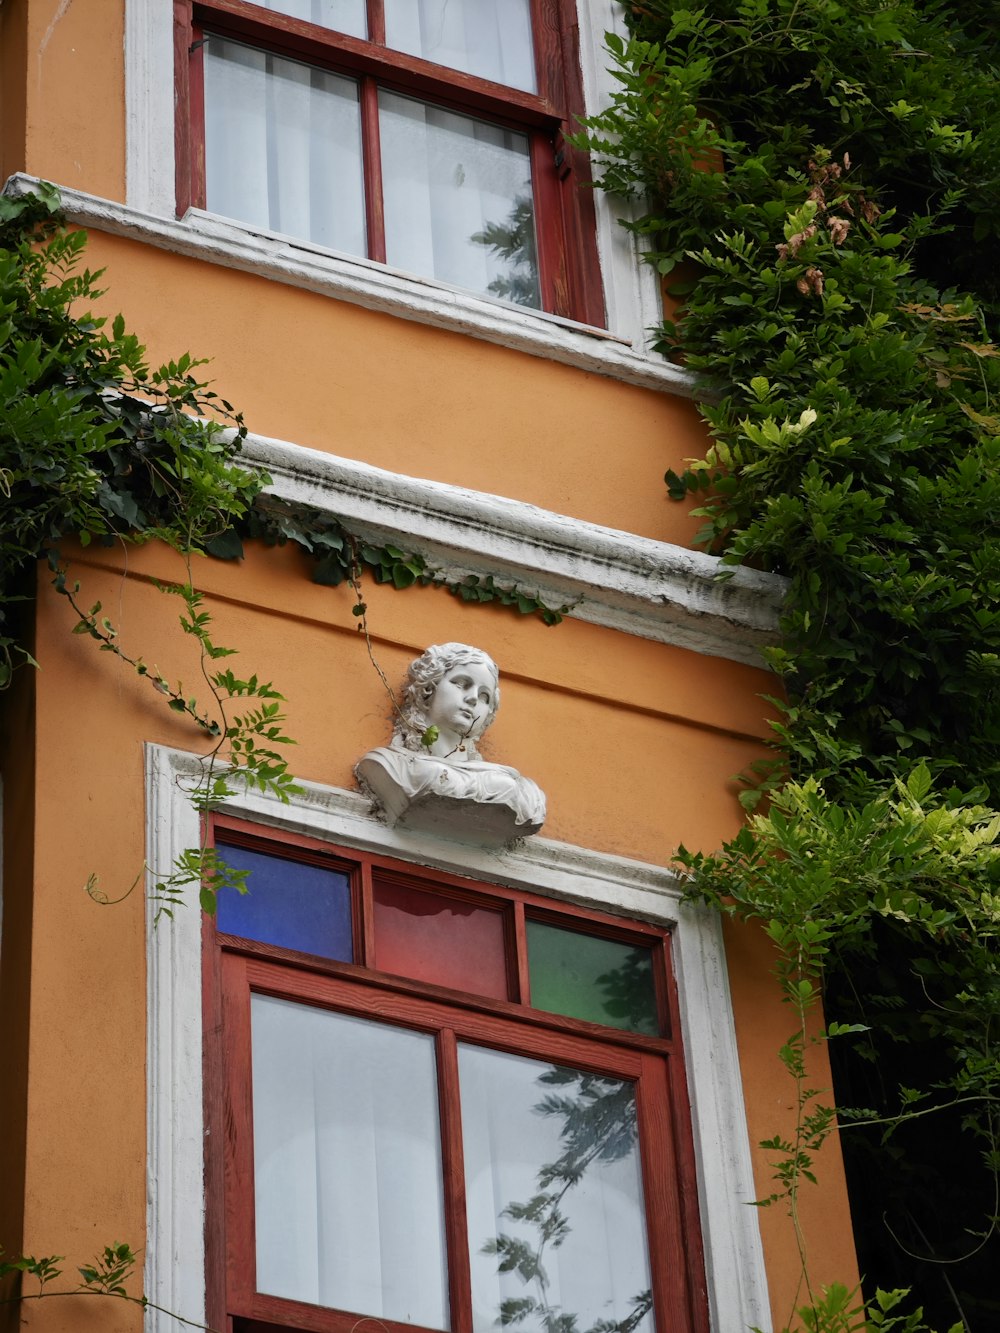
[796, 242]
[811, 282]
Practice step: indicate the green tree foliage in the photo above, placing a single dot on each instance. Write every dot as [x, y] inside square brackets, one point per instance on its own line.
[819, 181]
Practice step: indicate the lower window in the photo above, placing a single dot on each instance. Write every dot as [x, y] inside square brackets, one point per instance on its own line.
[444, 1106]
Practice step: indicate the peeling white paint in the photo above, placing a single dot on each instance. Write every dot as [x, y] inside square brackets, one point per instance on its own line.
[652, 589]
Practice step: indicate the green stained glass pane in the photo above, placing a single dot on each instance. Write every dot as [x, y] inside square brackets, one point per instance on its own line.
[584, 976]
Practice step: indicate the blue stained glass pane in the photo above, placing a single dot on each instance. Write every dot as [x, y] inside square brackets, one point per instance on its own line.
[289, 903]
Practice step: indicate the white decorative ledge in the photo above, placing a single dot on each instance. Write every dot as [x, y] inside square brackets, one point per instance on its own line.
[361, 282]
[648, 588]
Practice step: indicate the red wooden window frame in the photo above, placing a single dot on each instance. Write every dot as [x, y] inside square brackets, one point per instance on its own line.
[235, 968]
[569, 272]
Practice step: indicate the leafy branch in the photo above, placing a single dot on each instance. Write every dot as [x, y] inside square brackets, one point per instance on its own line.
[106, 1276]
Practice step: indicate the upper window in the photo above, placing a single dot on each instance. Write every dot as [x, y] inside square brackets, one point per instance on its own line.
[424, 134]
[445, 1106]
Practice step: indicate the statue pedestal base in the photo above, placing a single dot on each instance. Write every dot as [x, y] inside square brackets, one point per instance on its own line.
[478, 803]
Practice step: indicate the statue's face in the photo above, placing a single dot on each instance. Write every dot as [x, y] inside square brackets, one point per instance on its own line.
[462, 700]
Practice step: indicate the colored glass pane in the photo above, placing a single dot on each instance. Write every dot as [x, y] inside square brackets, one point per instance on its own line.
[436, 938]
[585, 976]
[288, 903]
[347, 1164]
[554, 1199]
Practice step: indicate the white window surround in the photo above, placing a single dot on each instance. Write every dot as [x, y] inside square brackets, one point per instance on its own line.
[631, 288]
[175, 1255]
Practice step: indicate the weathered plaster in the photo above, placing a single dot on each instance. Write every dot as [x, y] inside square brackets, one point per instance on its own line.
[611, 578]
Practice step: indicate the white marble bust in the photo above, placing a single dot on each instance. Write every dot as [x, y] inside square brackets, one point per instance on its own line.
[430, 777]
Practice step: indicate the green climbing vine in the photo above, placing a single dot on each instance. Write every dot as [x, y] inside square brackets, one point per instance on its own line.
[97, 447]
[816, 181]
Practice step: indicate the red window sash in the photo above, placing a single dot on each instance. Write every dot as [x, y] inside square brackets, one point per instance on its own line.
[371, 152]
[672, 1243]
[232, 970]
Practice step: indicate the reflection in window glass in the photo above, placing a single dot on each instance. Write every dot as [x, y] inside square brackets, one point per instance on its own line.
[557, 1235]
[288, 903]
[458, 199]
[340, 15]
[436, 938]
[347, 1164]
[584, 976]
[283, 146]
[488, 38]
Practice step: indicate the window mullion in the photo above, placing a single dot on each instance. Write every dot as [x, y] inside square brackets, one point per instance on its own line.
[376, 21]
[189, 132]
[523, 995]
[372, 153]
[453, 1165]
[364, 922]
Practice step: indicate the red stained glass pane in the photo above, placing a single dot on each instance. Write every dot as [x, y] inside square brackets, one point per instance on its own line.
[436, 938]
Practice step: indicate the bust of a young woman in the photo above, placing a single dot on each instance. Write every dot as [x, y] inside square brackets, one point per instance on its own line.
[430, 776]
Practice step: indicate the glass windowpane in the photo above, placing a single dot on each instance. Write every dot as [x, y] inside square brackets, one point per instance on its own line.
[584, 976]
[283, 146]
[289, 904]
[347, 1164]
[458, 199]
[435, 938]
[488, 38]
[339, 15]
[557, 1233]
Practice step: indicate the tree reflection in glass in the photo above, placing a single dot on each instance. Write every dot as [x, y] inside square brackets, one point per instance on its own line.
[514, 252]
[557, 1235]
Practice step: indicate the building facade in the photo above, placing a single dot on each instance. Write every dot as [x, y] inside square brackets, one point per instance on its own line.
[478, 1082]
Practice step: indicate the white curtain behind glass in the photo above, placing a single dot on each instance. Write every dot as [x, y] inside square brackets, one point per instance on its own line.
[283, 146]
[340, 15]
[489, 38]
[446, 178]
[601, 1263]
[347, 1164]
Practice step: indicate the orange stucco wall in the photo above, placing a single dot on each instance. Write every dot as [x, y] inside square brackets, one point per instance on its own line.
[409, 398]
[75, 105]
[633, 742]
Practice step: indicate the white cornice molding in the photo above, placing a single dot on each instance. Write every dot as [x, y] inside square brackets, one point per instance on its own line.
[648, 588]
[361, 282]
[175, 1258]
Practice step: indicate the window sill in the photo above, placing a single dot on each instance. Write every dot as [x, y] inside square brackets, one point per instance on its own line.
[216, 240]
